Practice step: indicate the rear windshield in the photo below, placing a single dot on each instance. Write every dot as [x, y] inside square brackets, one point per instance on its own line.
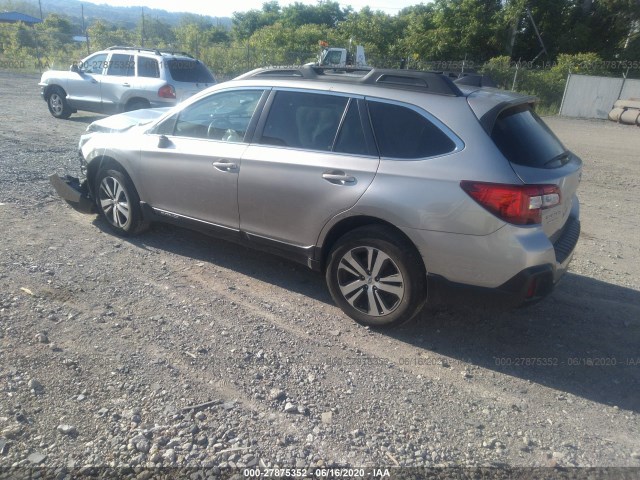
[191, 71]
[524, 139]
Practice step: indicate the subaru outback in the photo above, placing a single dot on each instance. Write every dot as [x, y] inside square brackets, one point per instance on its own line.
[121, 79]
[388, 181]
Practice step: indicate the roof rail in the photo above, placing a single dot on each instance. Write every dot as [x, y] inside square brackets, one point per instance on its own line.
[184, 54]
[139, 49]
[415, 80]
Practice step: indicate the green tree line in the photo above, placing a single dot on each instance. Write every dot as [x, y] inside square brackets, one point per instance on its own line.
[495, 36]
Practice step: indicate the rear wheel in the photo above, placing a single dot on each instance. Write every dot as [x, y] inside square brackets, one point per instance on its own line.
[118, 202]
[376, 277]
[57, 103]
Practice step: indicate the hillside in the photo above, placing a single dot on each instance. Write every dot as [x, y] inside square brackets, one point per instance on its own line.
[127, 17]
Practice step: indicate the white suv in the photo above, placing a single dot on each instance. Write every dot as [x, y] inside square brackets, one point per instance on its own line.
[121, 79]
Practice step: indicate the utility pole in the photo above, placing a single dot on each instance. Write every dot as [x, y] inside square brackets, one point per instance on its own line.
[86, 34]
[40, 5]
[142, 33]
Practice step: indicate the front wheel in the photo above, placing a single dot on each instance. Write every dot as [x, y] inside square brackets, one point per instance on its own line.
[57, 103]
[376, 277]
[118, 202]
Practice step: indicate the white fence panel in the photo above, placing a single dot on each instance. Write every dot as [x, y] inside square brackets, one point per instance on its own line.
[588, 96]
[631, 89]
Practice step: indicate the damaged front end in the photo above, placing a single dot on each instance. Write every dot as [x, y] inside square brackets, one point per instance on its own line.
[74, 191]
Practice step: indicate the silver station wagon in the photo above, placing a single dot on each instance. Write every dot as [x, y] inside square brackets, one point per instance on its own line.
[390, 182]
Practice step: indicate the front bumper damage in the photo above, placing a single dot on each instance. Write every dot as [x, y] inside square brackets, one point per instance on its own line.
[74, 192]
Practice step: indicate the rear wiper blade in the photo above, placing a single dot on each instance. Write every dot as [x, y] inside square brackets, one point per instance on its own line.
[561, 158]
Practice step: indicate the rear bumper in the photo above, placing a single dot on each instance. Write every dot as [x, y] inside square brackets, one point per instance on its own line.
[527, 287]
[511, 267]
[73, 192]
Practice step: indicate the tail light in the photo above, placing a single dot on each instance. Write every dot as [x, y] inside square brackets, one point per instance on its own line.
[167, 91]
[517, 204]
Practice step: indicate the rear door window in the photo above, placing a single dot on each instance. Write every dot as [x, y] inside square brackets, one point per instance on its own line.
[401, 132]
[121, 65]
[315, 121]
[524, 139]
[189, 70]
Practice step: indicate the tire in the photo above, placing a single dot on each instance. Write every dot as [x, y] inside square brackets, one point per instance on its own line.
[118, 202]
[136, 105]
[57, 103]
[370, 299]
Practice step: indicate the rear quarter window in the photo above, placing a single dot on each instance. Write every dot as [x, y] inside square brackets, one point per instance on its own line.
[404, 133]
[188, 70]
[148, 67]
[524, 139]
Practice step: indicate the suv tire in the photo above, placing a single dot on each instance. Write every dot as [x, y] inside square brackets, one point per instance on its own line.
[376, 277]
[57, 103]
[118, 202]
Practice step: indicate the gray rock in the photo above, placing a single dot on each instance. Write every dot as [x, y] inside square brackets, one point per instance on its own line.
[327, 417]
[169, 455]
[636, 454]
[36, 458]
[67, 429]
[290, 408]
[142, 445]
[35, 386]
[103, 411]
[42, 337]
[276, 395]
[4, 446]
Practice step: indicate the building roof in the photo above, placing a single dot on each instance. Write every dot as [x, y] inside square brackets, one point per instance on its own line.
[14, 17]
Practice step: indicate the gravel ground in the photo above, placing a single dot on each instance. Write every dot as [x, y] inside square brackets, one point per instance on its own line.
[172, 349]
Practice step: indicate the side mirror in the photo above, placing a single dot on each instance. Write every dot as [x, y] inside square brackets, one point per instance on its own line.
[74, 68]
[164, 142]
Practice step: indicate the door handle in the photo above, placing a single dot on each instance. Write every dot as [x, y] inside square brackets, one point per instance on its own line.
[225, 166]
[338, 177]
[126, 85]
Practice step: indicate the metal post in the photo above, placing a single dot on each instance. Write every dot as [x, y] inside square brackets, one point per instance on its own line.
[624, 80]
[564, 94]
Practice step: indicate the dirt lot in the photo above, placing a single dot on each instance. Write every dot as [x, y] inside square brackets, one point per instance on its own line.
[176, 350]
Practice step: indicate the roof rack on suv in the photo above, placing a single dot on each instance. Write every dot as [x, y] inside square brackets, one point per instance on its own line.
[184, 54]
[431, 82]
[154, 50]
[139, 49]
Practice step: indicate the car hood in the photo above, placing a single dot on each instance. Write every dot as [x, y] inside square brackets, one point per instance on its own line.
[124, 121]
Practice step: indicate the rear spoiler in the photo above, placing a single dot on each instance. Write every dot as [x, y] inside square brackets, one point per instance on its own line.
[488, 103]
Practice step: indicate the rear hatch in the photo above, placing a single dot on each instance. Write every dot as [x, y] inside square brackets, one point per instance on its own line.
[538, 157]
[189, 76]
[534, 152]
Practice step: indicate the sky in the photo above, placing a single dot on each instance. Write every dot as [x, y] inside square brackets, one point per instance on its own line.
[219, 8]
